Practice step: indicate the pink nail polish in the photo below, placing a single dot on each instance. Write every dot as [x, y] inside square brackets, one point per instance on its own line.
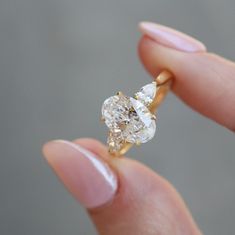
[171, 38]
[87, 177]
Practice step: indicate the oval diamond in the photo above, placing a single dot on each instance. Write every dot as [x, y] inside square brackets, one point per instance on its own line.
[128, 119]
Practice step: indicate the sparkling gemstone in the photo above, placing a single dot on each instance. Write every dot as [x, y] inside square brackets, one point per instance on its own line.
[147, 93]
[129, 120]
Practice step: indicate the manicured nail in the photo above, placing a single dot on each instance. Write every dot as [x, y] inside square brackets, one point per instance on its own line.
[171, 38]
[87, 177]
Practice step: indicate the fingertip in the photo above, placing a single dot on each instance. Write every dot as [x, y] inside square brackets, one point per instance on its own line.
[143, 52]
[155, 57]
[90, 180]
[48, 148]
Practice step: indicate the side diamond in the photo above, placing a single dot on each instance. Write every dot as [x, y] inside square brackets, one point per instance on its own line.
[115, 141]
[147, 93]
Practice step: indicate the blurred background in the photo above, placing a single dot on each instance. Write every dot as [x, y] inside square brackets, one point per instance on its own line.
[59, 59]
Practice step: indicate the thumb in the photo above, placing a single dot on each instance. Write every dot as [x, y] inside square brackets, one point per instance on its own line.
[121, 195]
[204, 81]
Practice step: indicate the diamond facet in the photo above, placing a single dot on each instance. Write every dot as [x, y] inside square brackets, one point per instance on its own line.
[147, 93]
[142, 126]
[115, 111]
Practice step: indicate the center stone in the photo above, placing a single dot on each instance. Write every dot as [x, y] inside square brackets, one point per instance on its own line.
[128, 119]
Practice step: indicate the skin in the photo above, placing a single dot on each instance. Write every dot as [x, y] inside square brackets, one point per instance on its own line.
[161, 210]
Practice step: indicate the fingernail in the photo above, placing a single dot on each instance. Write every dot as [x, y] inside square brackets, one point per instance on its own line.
[87, 177]
[171, 38]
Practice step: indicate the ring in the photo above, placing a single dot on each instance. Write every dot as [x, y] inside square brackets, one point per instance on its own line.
[131, 120]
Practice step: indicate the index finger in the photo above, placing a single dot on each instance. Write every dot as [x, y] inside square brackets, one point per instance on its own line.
[204, 81]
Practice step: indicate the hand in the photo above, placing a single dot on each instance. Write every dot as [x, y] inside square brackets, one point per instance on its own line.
[123, 196]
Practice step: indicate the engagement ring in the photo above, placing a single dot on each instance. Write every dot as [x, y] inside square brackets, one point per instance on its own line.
[132, 120]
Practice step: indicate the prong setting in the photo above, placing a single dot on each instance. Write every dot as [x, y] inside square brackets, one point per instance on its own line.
[138, 143]
[119, 93]
[154, 117]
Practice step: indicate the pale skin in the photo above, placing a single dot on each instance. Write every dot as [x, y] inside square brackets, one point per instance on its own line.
[143, 202]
